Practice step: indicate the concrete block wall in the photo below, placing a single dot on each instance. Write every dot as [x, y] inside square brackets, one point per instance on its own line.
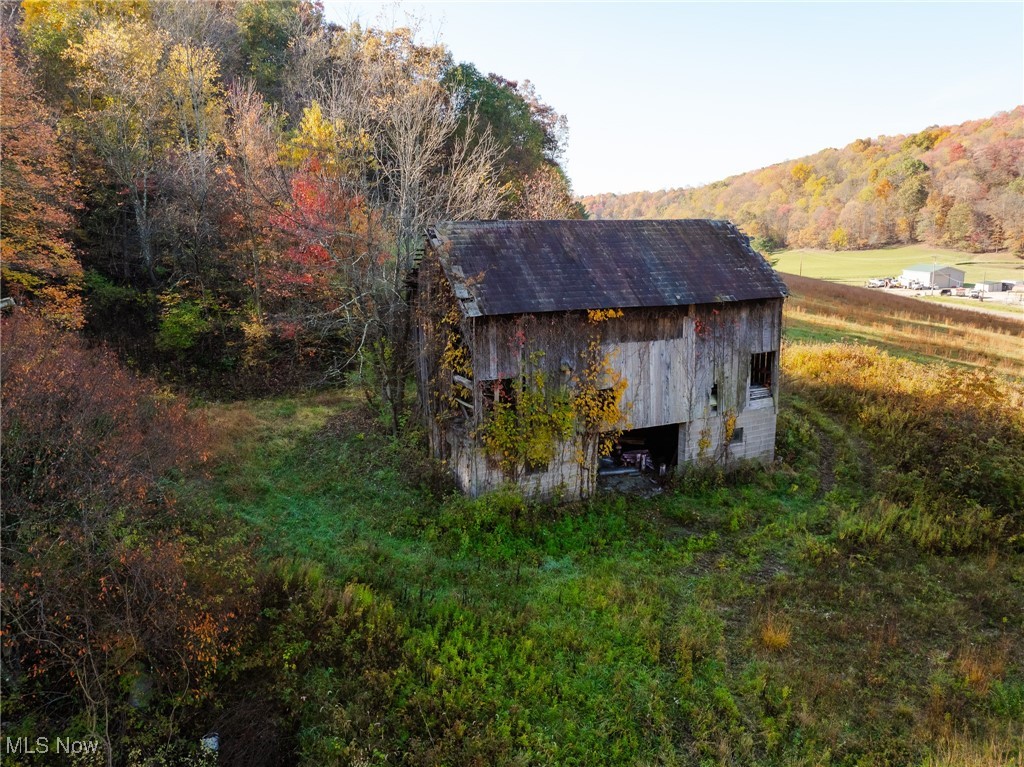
[758, 435]
[758, 443]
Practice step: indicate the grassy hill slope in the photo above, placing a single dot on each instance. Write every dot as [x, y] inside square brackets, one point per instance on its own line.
[860, 603]
[820, 311]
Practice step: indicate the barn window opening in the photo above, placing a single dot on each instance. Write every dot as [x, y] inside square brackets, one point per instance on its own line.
[762, 365]
[536, 467]
[737, 436]
[653, 450]
[713, 398]
[499, 390]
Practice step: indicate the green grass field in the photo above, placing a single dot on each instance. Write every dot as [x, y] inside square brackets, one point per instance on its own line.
[831, 611]
[855, 267]
[754, 622]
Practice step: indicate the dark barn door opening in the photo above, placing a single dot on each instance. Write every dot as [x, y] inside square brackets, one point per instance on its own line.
[654, 450]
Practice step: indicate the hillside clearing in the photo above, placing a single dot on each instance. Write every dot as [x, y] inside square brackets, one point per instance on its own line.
[856, 267]
[820, 613]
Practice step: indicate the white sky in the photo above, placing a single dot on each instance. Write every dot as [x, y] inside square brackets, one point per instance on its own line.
[671, 94]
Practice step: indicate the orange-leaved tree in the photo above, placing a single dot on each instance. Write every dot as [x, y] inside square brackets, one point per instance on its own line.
[111, 607]
[37, 201]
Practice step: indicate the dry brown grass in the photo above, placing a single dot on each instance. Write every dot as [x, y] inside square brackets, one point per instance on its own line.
[982, 666]
[775, 632]
[1006, 751]
[897, 322]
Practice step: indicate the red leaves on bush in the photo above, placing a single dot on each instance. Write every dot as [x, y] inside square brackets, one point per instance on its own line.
[103, 585]
[81, 431]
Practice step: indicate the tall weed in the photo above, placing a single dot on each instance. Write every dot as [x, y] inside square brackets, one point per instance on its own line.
[948, 444]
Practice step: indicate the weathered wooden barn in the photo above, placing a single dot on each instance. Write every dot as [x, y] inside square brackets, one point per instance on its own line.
[550, 351]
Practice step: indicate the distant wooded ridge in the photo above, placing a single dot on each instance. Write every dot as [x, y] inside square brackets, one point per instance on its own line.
[954, 186]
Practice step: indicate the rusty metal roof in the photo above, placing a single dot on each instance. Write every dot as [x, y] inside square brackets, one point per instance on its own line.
[513, 267]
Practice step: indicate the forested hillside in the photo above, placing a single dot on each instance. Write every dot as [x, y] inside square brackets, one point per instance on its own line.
[956, 186]
[235, 191]
[205, 197]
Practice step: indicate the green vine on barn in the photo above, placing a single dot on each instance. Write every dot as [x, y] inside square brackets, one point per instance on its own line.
[525, 427]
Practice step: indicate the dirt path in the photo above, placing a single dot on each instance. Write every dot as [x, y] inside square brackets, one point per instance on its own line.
[969, 304]
[826, 464]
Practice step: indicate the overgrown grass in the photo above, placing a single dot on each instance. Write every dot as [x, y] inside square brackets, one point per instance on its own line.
[860, 603]
[780, 617]
[822, 311]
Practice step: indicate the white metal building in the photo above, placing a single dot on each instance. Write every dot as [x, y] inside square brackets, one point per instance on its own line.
[934, 275]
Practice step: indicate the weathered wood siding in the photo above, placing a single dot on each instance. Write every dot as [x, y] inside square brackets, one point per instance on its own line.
[565, 477]
[671, 359]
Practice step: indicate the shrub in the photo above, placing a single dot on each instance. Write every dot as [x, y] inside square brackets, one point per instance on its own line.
[111, 605]
[775, 632]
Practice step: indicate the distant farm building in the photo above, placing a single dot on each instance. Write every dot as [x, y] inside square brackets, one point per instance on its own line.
[994, 286]
[552, 351]
[934, 276]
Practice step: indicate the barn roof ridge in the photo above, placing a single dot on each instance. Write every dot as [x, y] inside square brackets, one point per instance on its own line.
[930, 268]
[513, 267]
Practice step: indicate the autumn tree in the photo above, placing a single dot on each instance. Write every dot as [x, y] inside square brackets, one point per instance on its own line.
[532, 136]
[425, 164]
[37, 202]
[213, 26]
[266, 28]
[121, 109]
[103, 602]
[254, 184]
[51, 27]
[545, 194]
[328, 273]
[196, 111]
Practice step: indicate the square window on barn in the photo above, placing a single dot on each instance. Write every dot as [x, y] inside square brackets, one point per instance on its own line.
[737, 436]
[498, 390]
[762, 367]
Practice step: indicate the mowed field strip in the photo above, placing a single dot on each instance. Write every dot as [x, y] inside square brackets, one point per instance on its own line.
[856, 267]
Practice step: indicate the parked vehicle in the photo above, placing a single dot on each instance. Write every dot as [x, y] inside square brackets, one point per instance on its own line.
[883, 282]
